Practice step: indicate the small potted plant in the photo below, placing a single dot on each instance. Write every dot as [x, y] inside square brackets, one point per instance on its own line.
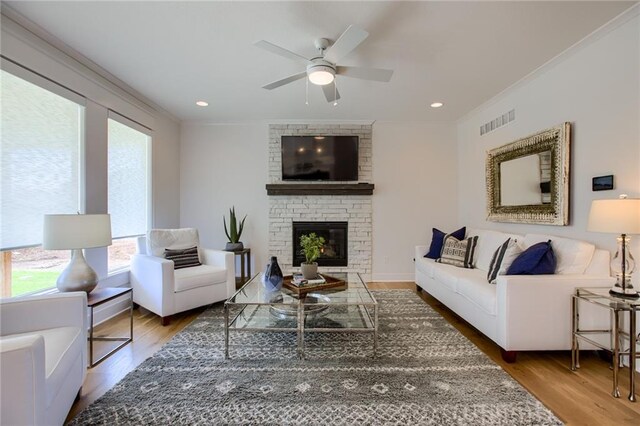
[234, 232]
[311, 248]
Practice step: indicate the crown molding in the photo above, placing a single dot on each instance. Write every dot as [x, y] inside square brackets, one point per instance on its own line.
[328, 122]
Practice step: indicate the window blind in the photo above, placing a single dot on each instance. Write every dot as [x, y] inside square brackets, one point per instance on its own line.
[129, 175]
[41, 135]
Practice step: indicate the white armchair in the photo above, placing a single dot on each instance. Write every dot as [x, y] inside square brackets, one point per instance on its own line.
[165, 291]
[43, 357]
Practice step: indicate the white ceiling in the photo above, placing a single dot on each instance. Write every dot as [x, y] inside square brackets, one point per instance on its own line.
[460, 53]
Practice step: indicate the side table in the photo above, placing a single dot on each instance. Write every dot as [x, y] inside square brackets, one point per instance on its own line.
[245, 265]
[97, 298]
[614, 335]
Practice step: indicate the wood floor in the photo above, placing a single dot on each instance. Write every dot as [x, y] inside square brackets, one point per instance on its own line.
[582, 398]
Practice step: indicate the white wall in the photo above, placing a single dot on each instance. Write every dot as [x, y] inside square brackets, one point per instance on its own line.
[223, 166]
[595, 86]
[415, 173]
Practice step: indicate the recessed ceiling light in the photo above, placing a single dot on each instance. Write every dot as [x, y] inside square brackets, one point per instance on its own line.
[437, 105]
[318, 138]
[202, 103]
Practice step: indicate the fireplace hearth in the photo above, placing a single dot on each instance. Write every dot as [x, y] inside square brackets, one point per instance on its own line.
[334, 252]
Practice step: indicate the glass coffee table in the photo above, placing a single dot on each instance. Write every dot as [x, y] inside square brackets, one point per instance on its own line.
[349, 308]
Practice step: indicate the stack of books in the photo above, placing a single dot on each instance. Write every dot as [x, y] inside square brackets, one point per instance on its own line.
[299, 281]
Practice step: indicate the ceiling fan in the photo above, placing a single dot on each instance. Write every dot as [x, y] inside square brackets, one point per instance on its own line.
[322, 70]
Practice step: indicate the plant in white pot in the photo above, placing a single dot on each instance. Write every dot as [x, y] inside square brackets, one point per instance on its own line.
[311, 249]
[234, 232]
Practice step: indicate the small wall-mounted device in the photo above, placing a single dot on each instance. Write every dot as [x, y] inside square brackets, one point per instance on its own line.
[602, 183]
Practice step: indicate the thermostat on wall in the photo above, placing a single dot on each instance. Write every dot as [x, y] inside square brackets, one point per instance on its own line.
[602, 183]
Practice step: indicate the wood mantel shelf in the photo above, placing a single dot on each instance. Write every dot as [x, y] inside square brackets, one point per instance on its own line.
[320, 188]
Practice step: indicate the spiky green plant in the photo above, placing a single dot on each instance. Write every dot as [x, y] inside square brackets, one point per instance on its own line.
[235, 232]
[311, 246]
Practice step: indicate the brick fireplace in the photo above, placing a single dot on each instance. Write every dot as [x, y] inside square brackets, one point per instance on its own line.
[355, 210]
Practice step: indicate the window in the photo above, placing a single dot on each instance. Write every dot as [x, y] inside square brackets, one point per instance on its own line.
[41, 136]
[129, 188]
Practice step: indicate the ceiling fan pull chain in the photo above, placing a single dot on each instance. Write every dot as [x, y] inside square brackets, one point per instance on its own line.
[306, 93]
[335, 93]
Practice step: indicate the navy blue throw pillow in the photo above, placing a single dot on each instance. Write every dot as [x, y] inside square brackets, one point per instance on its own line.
[438, 240]
[538, 259]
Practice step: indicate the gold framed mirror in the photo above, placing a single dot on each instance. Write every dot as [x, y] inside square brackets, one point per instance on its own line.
[528, 180]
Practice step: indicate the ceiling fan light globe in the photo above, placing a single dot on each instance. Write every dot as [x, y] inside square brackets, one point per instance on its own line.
[321, 77]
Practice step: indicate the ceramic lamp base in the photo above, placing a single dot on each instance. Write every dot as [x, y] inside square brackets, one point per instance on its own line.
[78, 275]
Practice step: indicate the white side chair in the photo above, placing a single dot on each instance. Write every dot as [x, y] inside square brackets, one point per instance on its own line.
[165, 291]
[43, 357]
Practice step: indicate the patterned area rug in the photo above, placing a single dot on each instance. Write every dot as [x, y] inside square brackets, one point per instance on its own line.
[426, 373]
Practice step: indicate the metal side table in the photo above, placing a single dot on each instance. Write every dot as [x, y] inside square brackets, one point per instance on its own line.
[616, 334]
[97, 298]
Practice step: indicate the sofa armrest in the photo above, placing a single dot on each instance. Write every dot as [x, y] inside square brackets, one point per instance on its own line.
[534, 311]
[153, 283]
[420, 251]
[22, 392]
[225, 259]
[31, 313]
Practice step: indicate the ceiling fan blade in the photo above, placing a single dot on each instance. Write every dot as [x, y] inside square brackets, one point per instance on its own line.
[330, 92]
[286, 80]
[270, 47]
[375, 74]
[349, 40]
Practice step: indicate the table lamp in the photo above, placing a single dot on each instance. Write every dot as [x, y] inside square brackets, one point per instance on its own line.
[621, 216]
[76, 232]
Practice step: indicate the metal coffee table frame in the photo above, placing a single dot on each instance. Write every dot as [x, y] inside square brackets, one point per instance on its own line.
[369, 321]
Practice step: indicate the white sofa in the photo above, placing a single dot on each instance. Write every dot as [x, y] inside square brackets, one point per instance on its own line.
[43, 357]
[165, 291]
[520, 312]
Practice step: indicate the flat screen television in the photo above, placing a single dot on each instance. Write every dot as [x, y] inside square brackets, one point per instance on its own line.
[324, 158]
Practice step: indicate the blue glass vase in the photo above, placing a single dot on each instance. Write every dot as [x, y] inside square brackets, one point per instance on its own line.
[273, 278]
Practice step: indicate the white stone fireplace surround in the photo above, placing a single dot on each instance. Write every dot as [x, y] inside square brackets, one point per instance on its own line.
[354, 209]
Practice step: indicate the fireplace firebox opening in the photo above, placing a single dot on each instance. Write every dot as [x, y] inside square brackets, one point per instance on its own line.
[334, 252]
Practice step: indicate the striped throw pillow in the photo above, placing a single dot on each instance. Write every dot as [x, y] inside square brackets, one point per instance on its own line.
[185, 258]
[458, 253]
[502, 259]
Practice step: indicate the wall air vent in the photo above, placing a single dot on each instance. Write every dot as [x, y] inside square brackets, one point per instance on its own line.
[502, 120]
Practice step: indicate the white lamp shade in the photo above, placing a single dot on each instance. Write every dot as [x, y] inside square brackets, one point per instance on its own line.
[621, 216]
[76, 231]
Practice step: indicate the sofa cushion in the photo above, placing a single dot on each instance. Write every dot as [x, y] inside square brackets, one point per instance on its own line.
[572, 256]
[478, 291]
[488, 242]
[458, 253]
[503, 258]
[199, 276]
[535, 260]
[185, 258]
[62, 346]
[437, 241]
[173, 239]
[426, 266]
[449, 275]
